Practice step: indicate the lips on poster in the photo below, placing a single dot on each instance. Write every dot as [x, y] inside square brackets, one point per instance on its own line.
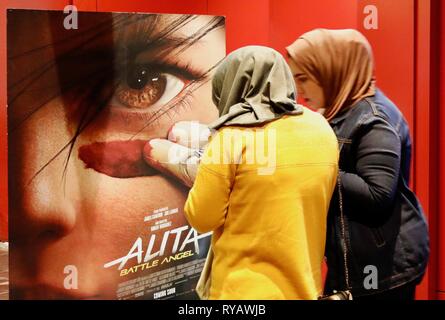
[88, 218]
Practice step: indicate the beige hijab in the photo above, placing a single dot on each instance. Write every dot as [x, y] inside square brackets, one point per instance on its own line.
[340, 61]
[252, 86]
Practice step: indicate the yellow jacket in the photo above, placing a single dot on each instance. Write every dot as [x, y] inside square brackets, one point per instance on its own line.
[268, 215]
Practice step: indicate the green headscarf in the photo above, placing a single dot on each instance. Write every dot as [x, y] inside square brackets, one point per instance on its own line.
[252, 86]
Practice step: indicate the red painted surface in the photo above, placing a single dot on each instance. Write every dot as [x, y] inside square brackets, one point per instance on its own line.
[85, 5]
[393, 47]
[441, 210]
[426, 132]
[247, 21]
[290, 18]
[401, 47]
[3, 136]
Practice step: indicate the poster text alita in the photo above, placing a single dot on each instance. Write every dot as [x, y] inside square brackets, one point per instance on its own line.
[146, 258]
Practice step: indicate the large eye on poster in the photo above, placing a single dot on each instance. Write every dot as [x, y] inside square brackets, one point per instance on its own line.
[89, 219]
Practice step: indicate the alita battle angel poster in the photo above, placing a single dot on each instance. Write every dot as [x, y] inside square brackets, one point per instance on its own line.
[88, 217]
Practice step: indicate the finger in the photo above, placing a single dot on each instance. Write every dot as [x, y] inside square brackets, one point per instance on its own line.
[172, 159]
[191, 134]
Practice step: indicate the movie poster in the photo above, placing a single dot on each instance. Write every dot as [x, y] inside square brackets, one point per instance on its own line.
[89, 219]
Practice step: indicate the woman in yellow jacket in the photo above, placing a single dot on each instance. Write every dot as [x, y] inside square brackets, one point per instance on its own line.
[264, 183]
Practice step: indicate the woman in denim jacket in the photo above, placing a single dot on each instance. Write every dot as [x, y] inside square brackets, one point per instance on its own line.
[386, 235]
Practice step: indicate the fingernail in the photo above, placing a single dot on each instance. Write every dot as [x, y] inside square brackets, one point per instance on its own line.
[146, 150]
[149, 146]
[155, 143]
[171, 135]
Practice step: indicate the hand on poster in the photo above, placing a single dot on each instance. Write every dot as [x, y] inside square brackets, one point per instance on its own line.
[180, 153]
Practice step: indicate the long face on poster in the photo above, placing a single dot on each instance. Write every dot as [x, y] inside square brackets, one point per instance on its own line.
[89, 219]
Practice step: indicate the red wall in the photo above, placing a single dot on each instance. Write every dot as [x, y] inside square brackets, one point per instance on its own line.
[395, 34]
[247, 21]
[441, 220]
[403, 66]
[290, 18]
[426, 138]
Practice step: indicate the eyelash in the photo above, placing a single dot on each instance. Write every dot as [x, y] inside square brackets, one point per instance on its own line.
[172, 67]
[175, 68]
[176, 105]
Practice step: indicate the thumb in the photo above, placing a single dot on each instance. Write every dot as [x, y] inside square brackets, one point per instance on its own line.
[191, 134]
[172, 159]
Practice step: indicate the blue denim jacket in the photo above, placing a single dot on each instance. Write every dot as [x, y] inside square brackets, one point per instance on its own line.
[384, 222]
